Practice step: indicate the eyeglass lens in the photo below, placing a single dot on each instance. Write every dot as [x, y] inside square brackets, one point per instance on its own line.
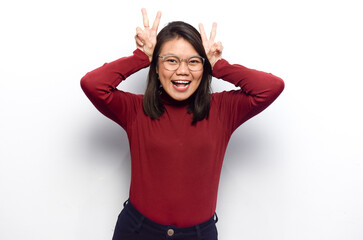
[173, 62]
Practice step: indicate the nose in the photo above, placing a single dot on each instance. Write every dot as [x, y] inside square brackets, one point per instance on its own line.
[183, 68]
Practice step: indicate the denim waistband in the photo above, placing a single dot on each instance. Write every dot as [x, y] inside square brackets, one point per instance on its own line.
[169, 229]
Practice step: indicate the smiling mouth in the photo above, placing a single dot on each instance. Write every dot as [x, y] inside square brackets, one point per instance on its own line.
[181, 85]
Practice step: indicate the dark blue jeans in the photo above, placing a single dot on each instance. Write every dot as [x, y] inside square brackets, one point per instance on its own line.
[132, 225]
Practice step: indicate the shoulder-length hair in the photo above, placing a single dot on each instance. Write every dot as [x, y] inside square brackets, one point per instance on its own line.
[199, 102]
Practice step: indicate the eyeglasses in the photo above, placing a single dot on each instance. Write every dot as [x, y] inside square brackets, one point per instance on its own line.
[172, 62]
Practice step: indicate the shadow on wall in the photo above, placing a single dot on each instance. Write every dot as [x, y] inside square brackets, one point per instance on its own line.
[106, 147]
[245, 147]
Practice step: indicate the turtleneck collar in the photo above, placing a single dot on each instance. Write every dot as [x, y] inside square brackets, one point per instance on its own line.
[167, 100]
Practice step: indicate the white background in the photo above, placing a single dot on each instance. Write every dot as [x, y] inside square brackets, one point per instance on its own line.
[294, 172]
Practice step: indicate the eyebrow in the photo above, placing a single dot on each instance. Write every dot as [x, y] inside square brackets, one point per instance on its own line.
[172, 54]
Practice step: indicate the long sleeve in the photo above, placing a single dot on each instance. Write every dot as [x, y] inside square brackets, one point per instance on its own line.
[100, 87]
[257, 91]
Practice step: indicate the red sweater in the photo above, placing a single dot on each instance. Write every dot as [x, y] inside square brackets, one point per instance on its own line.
[175, 166]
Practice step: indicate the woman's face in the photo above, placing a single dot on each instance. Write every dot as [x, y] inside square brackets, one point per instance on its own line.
[181, 83]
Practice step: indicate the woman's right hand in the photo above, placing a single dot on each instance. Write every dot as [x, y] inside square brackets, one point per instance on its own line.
[146, 38]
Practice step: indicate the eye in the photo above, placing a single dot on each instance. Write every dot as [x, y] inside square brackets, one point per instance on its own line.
[171, 60]
[195, 60]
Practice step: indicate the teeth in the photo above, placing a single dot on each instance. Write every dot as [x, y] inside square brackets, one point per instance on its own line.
[182, 82]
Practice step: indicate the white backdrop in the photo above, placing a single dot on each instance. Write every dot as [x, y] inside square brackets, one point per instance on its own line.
[294, 172]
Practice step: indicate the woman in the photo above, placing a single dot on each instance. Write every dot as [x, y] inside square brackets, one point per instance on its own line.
[178, 130]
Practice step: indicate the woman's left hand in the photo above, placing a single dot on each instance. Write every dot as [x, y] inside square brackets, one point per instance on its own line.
[212, 49]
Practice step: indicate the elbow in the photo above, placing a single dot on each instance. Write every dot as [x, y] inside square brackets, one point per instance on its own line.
[86, 83]
[278, 85]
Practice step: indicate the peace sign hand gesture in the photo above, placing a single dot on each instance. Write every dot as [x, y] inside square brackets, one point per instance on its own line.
[212, 49]
[146, 38]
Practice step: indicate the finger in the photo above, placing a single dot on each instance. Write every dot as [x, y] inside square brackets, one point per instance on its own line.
[157, 21]
[145, 19]
[138, 41]
[219, 47]
[213, 33]
[140, 35]
[139, 32]
[213, 48]
[202, 32]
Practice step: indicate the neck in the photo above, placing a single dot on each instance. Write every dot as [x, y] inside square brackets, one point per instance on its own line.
[167, 100]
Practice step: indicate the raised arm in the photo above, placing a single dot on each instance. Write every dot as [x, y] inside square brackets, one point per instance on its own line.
[100, 84]
[257, 89]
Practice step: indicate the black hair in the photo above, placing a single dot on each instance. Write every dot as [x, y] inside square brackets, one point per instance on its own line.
[199, 103]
